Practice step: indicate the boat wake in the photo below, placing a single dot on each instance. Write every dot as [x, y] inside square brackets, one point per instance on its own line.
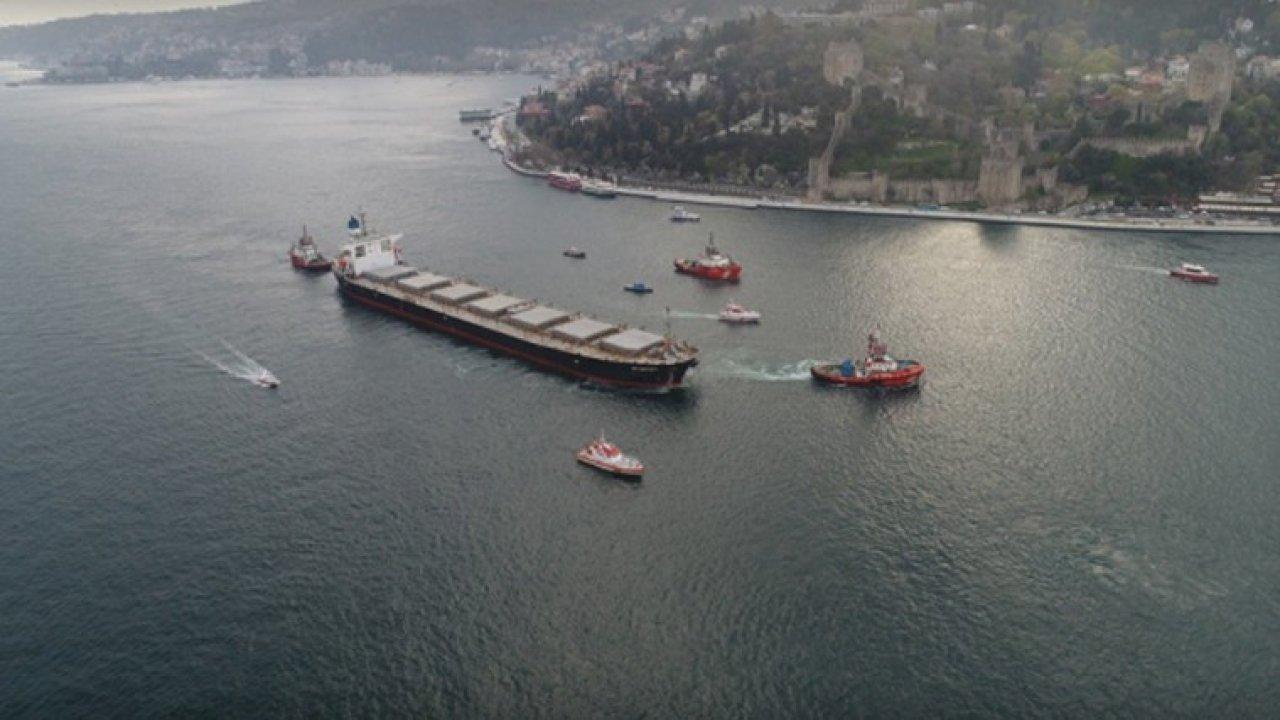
[235, 363]
[791, 372]
[1147, 269]
[682, 315]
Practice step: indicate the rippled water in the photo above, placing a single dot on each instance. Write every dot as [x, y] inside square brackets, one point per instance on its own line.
[1075, 515]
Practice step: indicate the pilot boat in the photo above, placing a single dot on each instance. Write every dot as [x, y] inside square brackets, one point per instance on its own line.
[877, 369]
[1194, 273]
[305, 256]
[711, 265]
[682, 215]
[735, 313]
[604, 455]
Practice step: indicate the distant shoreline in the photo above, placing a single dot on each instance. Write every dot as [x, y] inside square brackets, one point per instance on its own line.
[499, 130]
[955, 215]
[907, 212]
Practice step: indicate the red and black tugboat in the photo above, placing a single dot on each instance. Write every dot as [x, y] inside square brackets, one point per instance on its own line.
[877, 369]
[712, 265]
[305, 256]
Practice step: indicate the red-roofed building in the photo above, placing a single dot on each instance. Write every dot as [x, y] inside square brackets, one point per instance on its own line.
[533, 110]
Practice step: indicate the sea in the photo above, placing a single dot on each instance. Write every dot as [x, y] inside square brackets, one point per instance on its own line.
[1074, 516]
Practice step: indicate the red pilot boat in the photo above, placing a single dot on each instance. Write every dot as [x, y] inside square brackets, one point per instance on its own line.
[877, 369]
[1194, 273]
[305, 256]
[604, 455]
[565, 180]
[712, 265]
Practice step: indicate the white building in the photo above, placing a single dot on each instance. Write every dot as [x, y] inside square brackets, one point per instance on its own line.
[697, 85]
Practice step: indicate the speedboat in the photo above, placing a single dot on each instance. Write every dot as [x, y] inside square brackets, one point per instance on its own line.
[711, 265]
[1194, 273]
[638, 287]
[682, 215]
[604, 455]
[877, 369]
[304, 255]
[575, 253]
[266, 380]
[735, 313]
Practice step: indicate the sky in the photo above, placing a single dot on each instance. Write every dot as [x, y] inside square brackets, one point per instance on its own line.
[20, 12]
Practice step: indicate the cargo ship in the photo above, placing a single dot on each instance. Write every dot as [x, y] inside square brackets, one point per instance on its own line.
[369, 271]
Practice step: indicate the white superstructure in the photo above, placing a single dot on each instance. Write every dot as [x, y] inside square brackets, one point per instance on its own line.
[367, 251]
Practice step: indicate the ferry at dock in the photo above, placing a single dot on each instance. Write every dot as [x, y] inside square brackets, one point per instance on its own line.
[569, 181]
[599, 189]
[369, 271]
[475, 115]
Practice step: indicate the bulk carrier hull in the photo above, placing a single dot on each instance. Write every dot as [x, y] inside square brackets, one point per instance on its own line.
[619, 373]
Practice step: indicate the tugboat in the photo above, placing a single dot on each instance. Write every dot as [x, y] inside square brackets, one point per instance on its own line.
[1194, 273]
[575, 253]
[569, 181]
[604, 455]
[638, 287]
[304, 255]
[736, 314]
[682, 215]
[713, 265]
[877, 369]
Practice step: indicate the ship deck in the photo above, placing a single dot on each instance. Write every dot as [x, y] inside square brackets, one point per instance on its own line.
[587, 337]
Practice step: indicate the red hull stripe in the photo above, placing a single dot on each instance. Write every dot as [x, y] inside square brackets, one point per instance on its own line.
[476, 340]
[901, 378]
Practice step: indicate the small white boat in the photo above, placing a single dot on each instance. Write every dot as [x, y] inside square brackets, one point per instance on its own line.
[267, 380]
[1193, 273]
[604, 455]
[735, 313]
[682, 215]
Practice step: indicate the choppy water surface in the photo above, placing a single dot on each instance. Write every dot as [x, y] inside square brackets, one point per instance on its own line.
[1076, 515]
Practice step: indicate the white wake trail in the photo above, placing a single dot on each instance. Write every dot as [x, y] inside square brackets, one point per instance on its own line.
[240, 366]
[790, 372]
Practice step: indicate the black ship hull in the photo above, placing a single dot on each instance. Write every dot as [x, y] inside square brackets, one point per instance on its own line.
[619, 374]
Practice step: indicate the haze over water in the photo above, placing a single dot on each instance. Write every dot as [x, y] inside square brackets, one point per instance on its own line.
[1075, 515]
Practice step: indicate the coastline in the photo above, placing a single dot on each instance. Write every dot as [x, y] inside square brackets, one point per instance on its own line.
[502, 145]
